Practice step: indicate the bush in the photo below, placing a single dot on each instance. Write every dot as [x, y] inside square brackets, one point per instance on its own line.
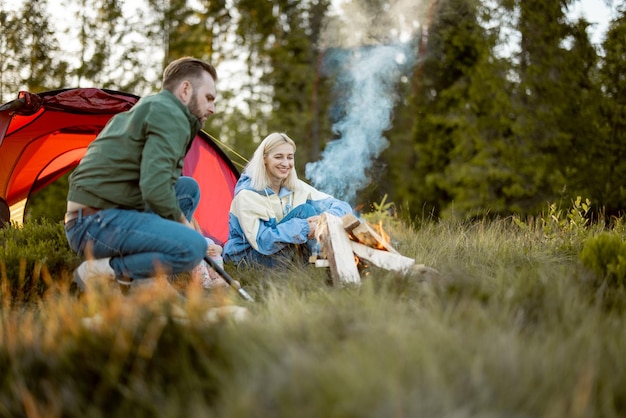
[605, 255]
[33, 258]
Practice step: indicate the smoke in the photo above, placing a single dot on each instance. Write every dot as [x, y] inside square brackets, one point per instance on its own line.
[370, 52]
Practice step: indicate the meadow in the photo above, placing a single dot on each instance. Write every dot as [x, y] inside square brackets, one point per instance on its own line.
[526, 319]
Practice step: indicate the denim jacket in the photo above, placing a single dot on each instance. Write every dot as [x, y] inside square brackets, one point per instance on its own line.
[255, 217]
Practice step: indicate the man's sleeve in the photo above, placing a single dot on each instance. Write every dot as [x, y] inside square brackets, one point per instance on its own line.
[167, 133]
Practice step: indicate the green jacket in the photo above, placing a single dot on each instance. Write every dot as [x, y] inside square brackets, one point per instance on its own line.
[136, 160]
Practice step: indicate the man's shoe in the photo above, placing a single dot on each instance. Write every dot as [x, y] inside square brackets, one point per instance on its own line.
[78, 285]
[89, 269]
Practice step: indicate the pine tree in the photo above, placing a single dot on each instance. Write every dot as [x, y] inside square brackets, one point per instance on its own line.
[281, 41]
[609, 152]
[38, 68]
[11, 48]
[462, 121]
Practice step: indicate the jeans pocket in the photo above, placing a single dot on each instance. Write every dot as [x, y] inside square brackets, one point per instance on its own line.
[104, 217]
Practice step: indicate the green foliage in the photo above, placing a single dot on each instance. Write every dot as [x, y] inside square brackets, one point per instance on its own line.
[608, 144]
[605, 255]
[383, 212]
[34, 258]
[41, 70]
[100, 28]
[574, 223]
[567, 230]
[49, 203]
[459, 156]
[9, 42]
[299, 91]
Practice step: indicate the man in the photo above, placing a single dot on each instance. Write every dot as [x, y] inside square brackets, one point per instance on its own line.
[128, 207]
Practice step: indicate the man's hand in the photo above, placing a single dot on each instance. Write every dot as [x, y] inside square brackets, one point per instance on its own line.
[214, 250]
[184, 221]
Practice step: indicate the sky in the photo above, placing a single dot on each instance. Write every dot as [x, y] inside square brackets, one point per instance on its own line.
[595, 11]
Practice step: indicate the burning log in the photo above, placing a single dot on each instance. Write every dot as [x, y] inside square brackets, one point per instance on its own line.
[344, 240]
[383, 259]
[365, 234]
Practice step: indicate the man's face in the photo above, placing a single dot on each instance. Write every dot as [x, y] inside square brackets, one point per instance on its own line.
[202, 101]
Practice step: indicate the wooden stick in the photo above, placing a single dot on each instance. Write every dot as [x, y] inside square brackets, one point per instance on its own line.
[336, 245]
[382, 259]
[365, 234]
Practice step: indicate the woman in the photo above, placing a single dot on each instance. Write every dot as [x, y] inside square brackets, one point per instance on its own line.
[273, 212]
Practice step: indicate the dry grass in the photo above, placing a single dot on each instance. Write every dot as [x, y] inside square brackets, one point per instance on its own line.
[514, 327]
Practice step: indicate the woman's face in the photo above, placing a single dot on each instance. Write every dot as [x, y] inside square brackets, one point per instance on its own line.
[279, 162]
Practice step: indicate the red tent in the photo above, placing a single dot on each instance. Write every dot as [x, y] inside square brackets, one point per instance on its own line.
[43, 136]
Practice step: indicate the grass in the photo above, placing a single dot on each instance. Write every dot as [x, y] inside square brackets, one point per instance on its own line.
[516, 326]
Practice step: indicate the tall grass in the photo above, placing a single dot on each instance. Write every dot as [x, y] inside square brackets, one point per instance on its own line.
[514, 326]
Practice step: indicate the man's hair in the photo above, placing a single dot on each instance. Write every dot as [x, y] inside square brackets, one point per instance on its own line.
[256, 167]
[186, 68]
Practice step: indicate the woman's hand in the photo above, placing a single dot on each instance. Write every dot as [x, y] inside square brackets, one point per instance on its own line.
[312, 221]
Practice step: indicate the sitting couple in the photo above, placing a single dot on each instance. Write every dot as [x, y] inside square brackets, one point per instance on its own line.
[129, 210]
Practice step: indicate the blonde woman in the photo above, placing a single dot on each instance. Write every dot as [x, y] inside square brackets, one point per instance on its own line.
[274, 214]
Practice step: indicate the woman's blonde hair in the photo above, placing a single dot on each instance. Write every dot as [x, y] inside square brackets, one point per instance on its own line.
[256, 166]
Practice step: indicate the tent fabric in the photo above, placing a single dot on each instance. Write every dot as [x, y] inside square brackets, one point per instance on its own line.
[217, 177]
[45, 135]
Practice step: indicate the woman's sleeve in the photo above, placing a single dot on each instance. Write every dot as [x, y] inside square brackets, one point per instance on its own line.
[323, 202]
[333, 206]
[273, 237]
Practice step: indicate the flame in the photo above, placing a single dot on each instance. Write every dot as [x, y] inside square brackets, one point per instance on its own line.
[385, 239]
[361, 265]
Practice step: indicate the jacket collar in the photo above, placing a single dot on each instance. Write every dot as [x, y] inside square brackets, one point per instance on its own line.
[194, 123]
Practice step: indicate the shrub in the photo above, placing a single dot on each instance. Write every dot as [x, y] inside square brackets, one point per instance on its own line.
[605, 255]
[566, 230]
[34, 257]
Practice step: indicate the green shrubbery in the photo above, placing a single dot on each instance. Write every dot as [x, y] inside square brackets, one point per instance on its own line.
[34, 258]
[605, 255]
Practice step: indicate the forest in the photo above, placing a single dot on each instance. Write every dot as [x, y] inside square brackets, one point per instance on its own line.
[447, 108]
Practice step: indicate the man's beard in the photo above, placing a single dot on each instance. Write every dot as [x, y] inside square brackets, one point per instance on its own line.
[194, 108]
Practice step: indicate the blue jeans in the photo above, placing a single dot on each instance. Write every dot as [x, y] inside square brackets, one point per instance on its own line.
[142, 244]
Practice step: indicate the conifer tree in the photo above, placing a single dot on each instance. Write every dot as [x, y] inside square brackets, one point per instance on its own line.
[11, 47]
[281, 39]
[36, 50]
[607, 163]
[462, 120]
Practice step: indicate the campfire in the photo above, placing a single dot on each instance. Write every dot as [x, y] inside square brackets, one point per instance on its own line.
[347, 241]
